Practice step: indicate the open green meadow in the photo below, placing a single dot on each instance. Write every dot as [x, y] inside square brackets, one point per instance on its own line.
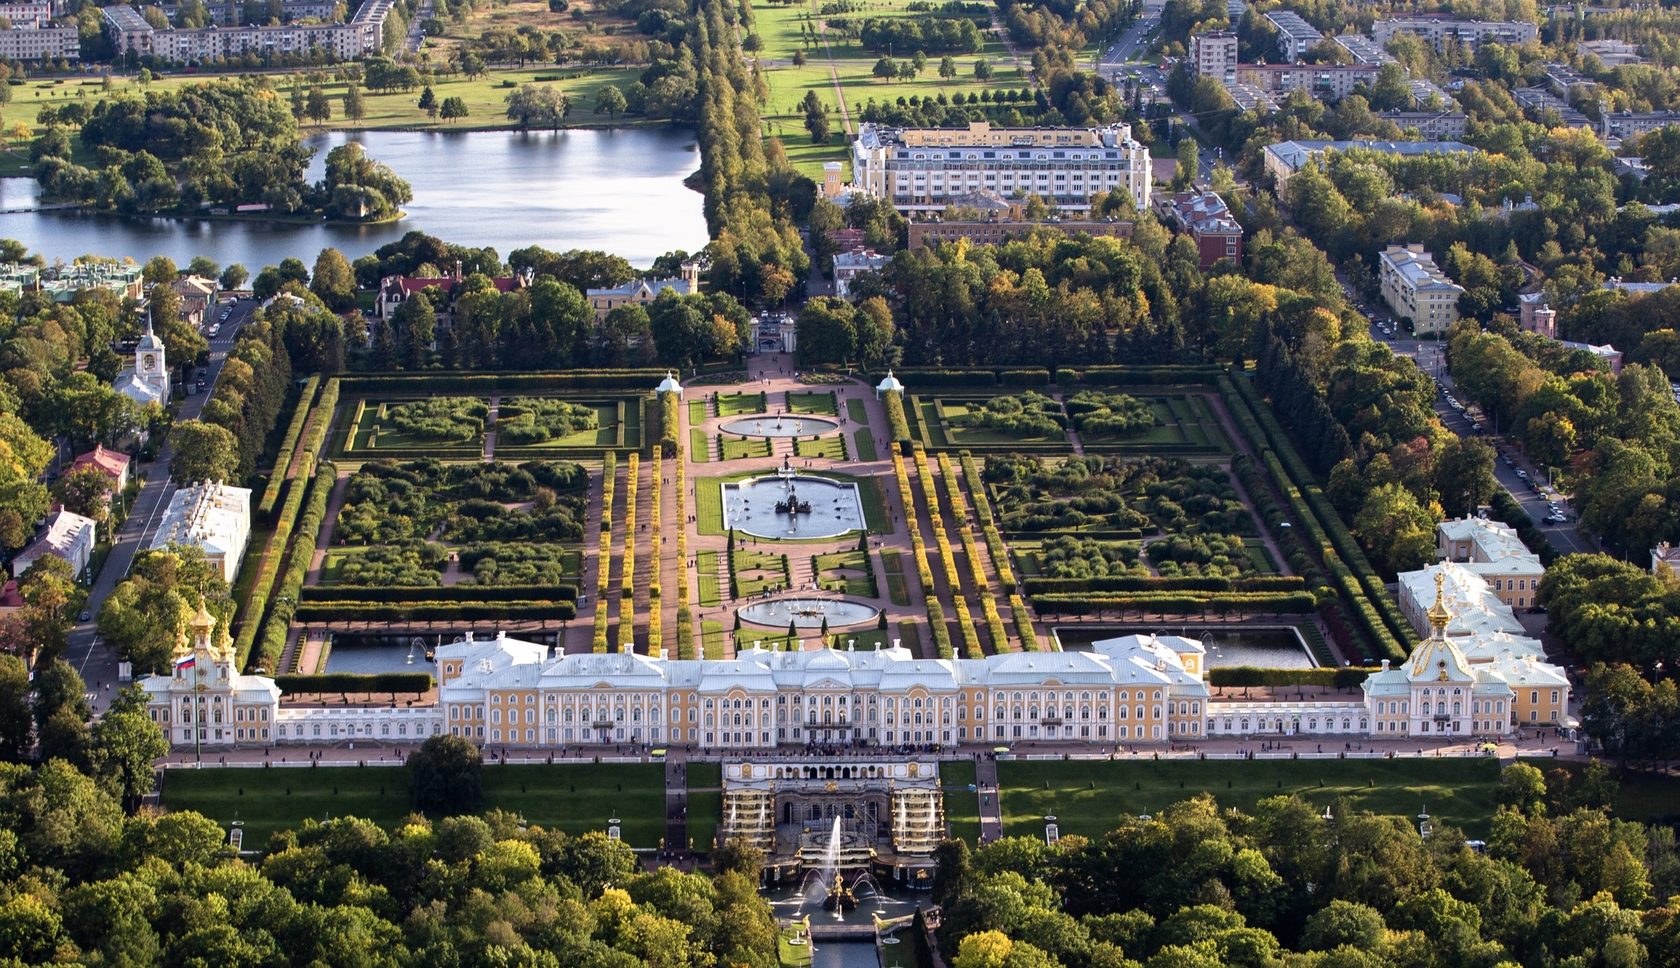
[1088, 797]
[705, 803]
[834, 59]
[575, 798]
[962, 803]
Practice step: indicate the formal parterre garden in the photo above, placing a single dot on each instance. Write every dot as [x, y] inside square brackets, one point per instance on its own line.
[454, 427]
[1038, 421]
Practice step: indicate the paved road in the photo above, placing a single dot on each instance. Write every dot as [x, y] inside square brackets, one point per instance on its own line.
[1430, 356]
[86, 651]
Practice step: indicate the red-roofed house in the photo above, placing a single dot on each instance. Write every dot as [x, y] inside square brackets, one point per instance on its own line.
[1205, 218]
[113, 462]
[396, 290]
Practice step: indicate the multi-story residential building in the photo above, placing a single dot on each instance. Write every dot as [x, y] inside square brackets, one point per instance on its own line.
[1214, 54]
[26, 14]
[849, 265]
[1538, 102]
[68, 535]
[1611, 53]
[1427, 95]
[1250, 98]
[1438, 30]
[503, 692]
[1295, 35]
[1205, 217]
[1493, 550]
[363, 34]
[1437, 125]
[924, 169]
[1417, 290]
[1327, 82]
[1567, 82]
[1285, 158]
[1534, 316]
[31, 43]
[1363, 49]
[642, 292]
[210, 516]
[113, 464]
[1628, 124]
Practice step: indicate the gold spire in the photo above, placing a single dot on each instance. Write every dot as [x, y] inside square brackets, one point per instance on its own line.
[1438, 614]
[203, 620]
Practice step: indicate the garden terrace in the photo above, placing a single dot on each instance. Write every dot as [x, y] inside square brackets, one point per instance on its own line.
[1113, 498]
[1159, 424]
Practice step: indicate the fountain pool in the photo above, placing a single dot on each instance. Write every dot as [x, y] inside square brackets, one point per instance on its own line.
[820, 507]
[779, 425]
[808, 613]
[1262, 647]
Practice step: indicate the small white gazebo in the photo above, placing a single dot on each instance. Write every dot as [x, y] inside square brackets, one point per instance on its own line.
[670, 384]
[890, 383]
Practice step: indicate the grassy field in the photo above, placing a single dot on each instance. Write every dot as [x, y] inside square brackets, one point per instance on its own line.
[699, 446]
[832, 447]
[1088, 796]
[575, 798]
[706, 577]
[962, 805]
[745, 448]
[813, 402]
[705, 802]
[735, 404]
[864, 442]
[846, 63]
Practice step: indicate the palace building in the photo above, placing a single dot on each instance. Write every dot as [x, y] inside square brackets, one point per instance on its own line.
[1133, 689]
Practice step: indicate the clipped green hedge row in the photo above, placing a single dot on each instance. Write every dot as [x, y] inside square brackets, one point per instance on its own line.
[288, 444]
[1023, 624]
[941, 634]
[1140, 376]
[1152, 583]
[268, 566]
[988, 523]
[1343, 678]
[1177, 602]
[670, 425]
[1392, 633]
[427, 612]
[436, 593]
[897, 423]
[423, 384]
[342, 682]
[298, 557]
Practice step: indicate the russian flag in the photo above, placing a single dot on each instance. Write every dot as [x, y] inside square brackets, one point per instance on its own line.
[184, 663]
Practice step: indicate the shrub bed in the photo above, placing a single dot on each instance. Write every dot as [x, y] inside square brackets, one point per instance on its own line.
[299, 555]
[288, 445]
[1343, 678]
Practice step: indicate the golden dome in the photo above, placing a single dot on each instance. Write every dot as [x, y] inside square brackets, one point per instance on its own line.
[1438, 614]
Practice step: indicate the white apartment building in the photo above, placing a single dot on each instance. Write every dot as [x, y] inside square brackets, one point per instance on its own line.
[1435, 125]
[1437, 29]
[213, 517]
[1295, 35]
[31, 43]
[1326, 82]
[363, 34]
[68, 535]
[923, 169]
[26, 14]
[1214, 54]
[1417, 290]
[1364, 50]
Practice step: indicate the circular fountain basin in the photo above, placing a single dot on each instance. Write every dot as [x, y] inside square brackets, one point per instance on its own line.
[829, 508]
[779, 425]
[808, 613]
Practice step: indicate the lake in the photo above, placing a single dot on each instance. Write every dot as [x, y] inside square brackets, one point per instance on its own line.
[619, 190]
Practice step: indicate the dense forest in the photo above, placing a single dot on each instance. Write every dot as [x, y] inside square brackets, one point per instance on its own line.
[1561, 883]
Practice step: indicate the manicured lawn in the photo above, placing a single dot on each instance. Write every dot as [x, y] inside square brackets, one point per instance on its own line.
[962, 804]
[699, 446]
[735, 404]
[742, 448]
[712, 639]
[823, 403]
[832, 447]
[757, 570]
[897, 591]
[697, 411]
[846, 571]
[1088, 796]
[707, 572]
[865, 444]
[857, 413]
[572, 797]
[705, 802]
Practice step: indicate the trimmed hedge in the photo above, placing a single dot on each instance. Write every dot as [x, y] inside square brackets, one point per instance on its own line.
[897, 423]
[941, 634]
[1187, 603]
[670, 425]
[438, 593]
[1152, 583]
[268, 566]
[1342, 678]
[1023, 624]
[988, 524]
[433, 612]
[342, 682]
[288, 444]
[427, 384]
[299, 555]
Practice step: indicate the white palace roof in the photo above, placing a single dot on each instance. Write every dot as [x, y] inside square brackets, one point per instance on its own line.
[506, 663]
